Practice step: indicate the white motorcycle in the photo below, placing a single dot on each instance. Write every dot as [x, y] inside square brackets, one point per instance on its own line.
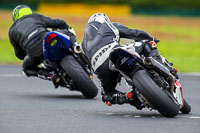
[152, 82]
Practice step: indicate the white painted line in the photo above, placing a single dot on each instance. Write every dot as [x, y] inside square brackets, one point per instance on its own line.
[11, 75]
[106, 113]
[190, 73]
[195, 117]
[109, 113]
[181, 116]
[137, 116]
[127, 115]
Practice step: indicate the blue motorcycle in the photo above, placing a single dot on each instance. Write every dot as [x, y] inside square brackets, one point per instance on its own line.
[71, 67]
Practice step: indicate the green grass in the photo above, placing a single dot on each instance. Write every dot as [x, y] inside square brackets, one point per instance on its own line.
[183, 50]
[7, 55]
[185, 56]
[179, 44]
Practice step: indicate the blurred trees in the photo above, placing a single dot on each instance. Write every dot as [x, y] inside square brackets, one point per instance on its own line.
[180, 4]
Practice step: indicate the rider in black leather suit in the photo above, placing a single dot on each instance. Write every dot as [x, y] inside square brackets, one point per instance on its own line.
[26, 36]
[100, 37]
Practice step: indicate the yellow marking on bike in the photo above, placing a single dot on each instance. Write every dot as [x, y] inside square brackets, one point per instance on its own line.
[53, 42]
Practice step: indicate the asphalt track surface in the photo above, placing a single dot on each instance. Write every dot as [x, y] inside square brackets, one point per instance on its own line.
[32, 105]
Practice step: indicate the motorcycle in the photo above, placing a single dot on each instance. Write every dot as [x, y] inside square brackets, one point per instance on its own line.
[155, 87]
[68, 63]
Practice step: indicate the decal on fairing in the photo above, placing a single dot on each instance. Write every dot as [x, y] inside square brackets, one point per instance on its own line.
[53, 42]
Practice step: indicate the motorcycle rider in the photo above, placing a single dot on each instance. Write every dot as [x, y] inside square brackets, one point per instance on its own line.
[26, 36]
[100, 37]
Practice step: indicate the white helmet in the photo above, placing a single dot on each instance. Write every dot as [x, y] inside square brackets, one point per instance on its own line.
[99, 17]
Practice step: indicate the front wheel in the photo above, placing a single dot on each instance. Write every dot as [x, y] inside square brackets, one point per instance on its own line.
[154, 94]
[80, 78]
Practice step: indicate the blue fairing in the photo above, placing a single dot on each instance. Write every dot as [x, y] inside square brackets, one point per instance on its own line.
[57, 47]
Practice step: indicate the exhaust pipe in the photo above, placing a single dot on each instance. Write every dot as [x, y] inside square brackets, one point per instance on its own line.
[152, 63]
[77, 48]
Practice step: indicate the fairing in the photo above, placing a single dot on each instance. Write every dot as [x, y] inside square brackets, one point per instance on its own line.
[56, 46]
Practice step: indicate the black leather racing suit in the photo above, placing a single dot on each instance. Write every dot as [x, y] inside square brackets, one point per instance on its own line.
[98, 41]
[26, 36]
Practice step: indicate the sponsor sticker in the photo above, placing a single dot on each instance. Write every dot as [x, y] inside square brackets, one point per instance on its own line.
[53, 42]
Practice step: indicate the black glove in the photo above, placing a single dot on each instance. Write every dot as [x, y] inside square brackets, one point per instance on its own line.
[153, 42]
[156, 40]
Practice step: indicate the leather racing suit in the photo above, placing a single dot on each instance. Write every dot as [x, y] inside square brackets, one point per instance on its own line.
[26, 36]
[99, 39]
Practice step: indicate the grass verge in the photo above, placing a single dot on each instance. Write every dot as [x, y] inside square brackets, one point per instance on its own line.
[179, 37]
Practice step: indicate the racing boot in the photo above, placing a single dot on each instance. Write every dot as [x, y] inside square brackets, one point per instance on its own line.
[37, 72]
[29, 73]
[115, 97]
[44, 74]
[121, 98]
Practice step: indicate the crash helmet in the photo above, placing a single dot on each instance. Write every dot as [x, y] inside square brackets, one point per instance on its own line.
[20, 11]
[99, 17]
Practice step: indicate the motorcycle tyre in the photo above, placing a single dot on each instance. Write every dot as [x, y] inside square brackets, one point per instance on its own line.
[186, 108]
[154, 95]
[80, 78]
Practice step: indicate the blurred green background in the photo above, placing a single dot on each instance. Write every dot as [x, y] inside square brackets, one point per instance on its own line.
[176, 23]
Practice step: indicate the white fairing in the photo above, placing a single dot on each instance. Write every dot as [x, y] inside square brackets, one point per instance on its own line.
[178, 94]
[131, 48]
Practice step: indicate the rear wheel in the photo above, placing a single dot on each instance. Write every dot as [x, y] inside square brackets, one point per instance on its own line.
[154, 94]
[80, 78]
[186, 108]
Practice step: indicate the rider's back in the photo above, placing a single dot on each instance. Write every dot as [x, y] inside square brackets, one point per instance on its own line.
[27, 28]
[97, 35]
[29, 31]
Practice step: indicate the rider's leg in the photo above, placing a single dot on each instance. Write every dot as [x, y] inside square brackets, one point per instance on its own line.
[30, 68]
[108, 81]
